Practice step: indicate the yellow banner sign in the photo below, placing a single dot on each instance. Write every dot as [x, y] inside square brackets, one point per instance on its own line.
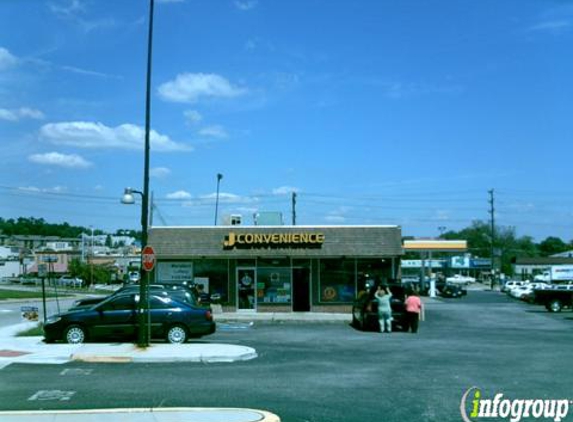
[251, 240]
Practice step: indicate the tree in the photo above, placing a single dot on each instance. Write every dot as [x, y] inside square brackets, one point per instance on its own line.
[506, 245]
[99, 274]
[552, 245]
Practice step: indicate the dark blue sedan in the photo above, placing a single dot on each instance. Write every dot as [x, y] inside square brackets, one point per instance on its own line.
[116, 318]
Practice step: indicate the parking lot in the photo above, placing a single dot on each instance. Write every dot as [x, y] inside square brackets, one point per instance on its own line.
[332, 372]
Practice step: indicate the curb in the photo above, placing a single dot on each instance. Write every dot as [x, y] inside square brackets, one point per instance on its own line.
[183, 414]
[91, 358]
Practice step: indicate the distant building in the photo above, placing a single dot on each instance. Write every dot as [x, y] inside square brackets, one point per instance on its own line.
[9, 253]
[566, 254]
[528, 267]
[268, 219]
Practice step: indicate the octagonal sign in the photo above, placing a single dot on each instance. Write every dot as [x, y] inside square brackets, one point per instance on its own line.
[148, 258]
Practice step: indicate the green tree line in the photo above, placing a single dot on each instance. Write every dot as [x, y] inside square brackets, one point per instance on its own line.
[40, 227]
[507, 245]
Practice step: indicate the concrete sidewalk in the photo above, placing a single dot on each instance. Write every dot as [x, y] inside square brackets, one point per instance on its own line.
[143, 415]
[33, 350]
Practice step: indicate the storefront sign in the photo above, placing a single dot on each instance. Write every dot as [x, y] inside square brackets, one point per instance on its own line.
[273, 240]
[174, 271]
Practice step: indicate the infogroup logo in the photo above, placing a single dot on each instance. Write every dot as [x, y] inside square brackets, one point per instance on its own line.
[474, 407]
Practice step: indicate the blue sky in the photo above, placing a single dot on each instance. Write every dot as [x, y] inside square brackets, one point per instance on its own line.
[374, 112]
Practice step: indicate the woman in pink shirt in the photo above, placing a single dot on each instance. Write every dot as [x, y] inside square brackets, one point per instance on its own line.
[413, 306]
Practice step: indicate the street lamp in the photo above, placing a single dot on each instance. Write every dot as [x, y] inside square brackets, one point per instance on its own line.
[219, 177]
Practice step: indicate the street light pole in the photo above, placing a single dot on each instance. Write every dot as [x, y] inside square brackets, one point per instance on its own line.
[143, 314]
[219, 177]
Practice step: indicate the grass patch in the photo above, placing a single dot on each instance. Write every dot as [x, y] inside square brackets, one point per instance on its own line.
[32, 332]
[20, 294]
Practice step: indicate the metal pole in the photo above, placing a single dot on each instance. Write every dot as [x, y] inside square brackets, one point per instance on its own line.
[294, 208]
[219, 177]
[143, 333]
[492, 246]
[44, 298]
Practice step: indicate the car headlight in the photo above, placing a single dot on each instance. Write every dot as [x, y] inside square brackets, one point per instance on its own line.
[53, 319]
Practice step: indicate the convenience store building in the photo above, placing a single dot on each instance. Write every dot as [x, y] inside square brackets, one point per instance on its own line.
[278, 268]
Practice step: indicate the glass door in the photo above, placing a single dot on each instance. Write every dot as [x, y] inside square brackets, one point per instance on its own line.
[246, 289]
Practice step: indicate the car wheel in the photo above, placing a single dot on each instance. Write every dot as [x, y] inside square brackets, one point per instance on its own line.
[555, 306]
[177, 335]
[355, 322]
[75, 335]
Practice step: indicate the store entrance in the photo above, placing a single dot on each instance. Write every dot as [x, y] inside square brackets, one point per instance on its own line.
[246, 289]
[301, 290]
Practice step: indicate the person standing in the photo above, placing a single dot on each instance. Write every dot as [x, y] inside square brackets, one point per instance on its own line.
[383, 296]
[414, 307]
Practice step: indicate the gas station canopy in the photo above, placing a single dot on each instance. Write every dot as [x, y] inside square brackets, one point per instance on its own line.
[432, 245]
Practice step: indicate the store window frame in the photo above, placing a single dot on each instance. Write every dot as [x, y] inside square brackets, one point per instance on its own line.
[320, 300]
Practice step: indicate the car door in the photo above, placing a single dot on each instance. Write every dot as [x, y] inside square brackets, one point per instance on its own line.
[163, 312]
[116, 318]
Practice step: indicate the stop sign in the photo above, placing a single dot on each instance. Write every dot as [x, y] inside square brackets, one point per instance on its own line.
[148, 258]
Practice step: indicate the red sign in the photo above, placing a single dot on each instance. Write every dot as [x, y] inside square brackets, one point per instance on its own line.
[148, 258]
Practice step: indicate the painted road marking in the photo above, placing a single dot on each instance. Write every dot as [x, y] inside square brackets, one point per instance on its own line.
[52, 395]
[76, 371]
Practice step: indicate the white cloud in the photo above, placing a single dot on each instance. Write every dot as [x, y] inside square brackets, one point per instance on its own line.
[246, 4]
[87, 72]
[335, 219]
[73, 10]
[97, 135]
[67, 9]
[21, 113]
[229, 198]
[285, 190]
[192, 116]
[7, 60]
[180, 194]
[159, 172]
[190, 87]
[214, 132]
[34, 189]
[339, 215]
[552, 26]
[61, 160]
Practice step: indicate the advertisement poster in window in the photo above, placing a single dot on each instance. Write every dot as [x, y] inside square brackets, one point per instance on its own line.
[174, 271]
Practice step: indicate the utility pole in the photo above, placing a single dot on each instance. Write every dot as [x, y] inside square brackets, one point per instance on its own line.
[294, 208]
[219, 177]
[492, 245]
[151, 211]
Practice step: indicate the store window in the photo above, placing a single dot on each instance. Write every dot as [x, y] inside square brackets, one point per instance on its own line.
[337, 280]
[372, 271]
[274, 283]
[213, 274]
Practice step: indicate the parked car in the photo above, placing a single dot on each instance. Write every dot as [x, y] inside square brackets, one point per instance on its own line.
[460, 279]
[555, 298]
[453, 291]
[70, 282]
[365, 310]
[518, 291]
[510, 284]
[133, 277]
[527, 291]
[116, 318]
[176, 291]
